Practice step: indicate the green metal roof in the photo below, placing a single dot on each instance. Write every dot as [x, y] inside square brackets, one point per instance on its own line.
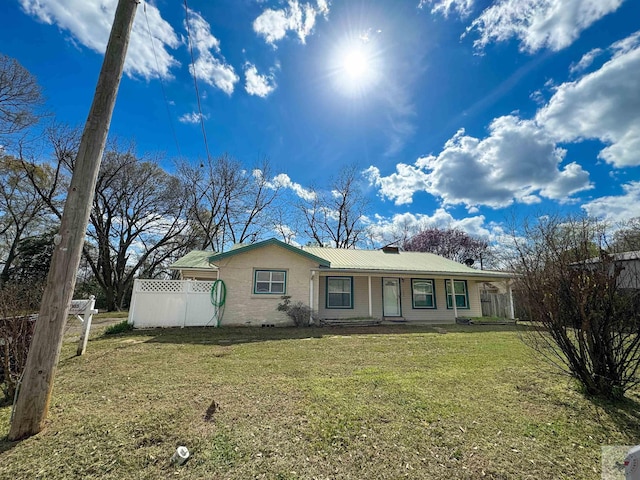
[402, 262]
[349, 260]
[197, 259]
[272, 241]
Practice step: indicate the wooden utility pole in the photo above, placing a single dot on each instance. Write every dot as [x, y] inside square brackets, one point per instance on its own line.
[30, 410]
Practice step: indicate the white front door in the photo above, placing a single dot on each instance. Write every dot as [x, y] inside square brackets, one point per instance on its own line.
[391, 297]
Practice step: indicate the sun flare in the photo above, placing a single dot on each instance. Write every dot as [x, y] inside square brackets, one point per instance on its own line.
[355, 64]
[355, 67]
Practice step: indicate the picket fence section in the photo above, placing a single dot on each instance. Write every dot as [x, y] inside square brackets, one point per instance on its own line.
[171, 303]
[495, 304]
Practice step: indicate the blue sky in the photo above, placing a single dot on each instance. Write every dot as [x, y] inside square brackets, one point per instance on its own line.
[458, 113]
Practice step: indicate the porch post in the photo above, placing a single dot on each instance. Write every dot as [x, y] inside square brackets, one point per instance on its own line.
[512, 314]
[311, 296]
[370, 303]
[453, 299]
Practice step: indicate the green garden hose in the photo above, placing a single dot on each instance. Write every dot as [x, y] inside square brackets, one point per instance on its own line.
[218, 297]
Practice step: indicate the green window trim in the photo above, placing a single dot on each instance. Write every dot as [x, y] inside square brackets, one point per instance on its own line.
[421, 300]
[342, 294]
[269, 282]
[462, 297]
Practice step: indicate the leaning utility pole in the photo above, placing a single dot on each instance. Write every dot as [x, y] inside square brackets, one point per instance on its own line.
[30, 410]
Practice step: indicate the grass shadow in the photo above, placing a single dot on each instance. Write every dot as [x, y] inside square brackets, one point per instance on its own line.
[6, 444]
[236, 335]
[625, 414]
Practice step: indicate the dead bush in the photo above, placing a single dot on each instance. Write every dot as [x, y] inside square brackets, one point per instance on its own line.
[17, 323]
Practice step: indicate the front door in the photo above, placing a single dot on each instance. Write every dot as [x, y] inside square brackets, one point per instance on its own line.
[391, 297]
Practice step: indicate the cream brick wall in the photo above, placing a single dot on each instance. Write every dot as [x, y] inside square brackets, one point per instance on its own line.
[242, 306]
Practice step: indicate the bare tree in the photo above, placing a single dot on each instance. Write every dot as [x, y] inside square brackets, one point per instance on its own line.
[451, 243]
[587, 318]
[336, 217]
[228, 204]
[253, 211]
[17, 302]
[64, 142]
[20, 95]
[137, 217]
[22, 210]
[284, 224]
[627, 237]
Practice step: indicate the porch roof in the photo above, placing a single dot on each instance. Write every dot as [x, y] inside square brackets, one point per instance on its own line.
[196, 260]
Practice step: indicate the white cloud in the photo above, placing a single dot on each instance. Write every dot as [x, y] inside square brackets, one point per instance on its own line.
[385, 230]
[603, 105]
[627, 44]
[400, 113]
[274, 25]
[616, 208]
[89, 23]
[208, 67]
[323, 7]
[401, 185]
[445, 7]
[256, 84]
[537, 24]
[192, 117]
[518, 162]
[586, 61]
[287, 233]
[282, 180]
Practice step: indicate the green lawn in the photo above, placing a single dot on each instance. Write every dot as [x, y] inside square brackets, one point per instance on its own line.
[327, 403]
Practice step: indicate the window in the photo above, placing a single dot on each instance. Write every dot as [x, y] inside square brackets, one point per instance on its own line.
[423, 293]
[270, 282]
[339, 292]
[460, 293]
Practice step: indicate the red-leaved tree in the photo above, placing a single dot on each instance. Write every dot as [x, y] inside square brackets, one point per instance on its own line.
[451, 243]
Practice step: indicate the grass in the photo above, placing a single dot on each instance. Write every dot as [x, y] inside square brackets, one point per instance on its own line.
[123, 314]
[121, 327]
[377, 402]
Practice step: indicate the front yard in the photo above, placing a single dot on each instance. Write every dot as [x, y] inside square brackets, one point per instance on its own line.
[318, 403]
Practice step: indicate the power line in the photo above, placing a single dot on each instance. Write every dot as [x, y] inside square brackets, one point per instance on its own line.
[195, 80]
[164, 94]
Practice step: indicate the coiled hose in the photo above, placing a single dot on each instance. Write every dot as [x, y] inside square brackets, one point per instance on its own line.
[218, 297]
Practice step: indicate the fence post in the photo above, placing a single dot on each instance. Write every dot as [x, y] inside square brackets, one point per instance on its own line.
[512, 314]
[87, 315]
[187, 287]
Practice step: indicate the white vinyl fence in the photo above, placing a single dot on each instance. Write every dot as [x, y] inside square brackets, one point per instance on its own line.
[171, 303]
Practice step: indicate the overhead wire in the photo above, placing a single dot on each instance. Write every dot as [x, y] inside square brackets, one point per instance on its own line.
[195, 81]
[164, 94]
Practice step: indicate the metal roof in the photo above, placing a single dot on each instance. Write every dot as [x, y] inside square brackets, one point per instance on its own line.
[409, 262]
[352, 260]
[272, 241]
[617, 257]
[196, 259]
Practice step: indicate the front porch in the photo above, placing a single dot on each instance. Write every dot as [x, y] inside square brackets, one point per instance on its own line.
[357, 298]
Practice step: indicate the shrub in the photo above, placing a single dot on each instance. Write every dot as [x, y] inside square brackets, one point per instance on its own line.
[574, 292]
[122, 327]
[17, 303]
[299, 313]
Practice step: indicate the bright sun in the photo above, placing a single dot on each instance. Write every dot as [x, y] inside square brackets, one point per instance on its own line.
[355, 68]
[355, 64]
